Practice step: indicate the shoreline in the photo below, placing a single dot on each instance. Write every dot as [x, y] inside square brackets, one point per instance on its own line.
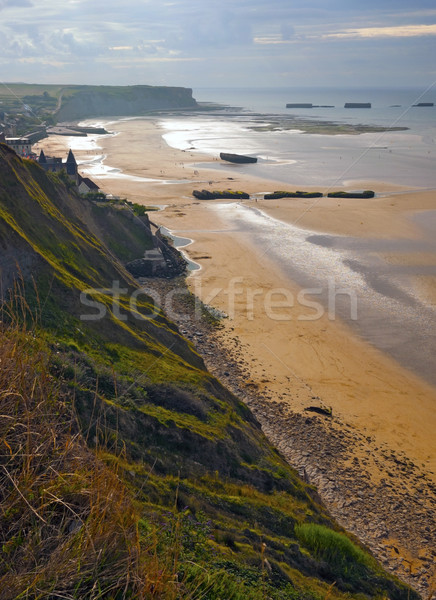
[221, 254]
[388, 409]
[357, 479]
[220, 261]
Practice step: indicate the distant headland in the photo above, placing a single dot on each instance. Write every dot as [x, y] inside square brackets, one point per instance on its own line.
[28, 110]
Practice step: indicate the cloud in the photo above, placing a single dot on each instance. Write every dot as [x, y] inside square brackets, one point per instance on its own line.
[39, 61]
[14, 3]
[121, 48]
[196, 42]
[272, 39]
[385, 32]
[156, 59]
[57, 45]
[220, 28]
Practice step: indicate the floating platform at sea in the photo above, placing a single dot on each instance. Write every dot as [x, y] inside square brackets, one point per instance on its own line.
[308, 105]
[357, 105]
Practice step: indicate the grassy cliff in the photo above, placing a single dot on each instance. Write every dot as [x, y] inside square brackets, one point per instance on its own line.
[127, 470]
[37, 104]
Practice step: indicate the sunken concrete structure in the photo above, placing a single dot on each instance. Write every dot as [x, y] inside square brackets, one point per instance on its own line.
[357, 105]
[237, 158]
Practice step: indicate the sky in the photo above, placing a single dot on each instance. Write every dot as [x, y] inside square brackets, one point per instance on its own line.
[220, 43]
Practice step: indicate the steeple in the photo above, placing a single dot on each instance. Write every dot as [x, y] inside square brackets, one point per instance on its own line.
[42, 159]
[71, 165]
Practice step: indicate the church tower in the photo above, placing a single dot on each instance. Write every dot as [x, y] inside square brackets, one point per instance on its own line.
[71, 166]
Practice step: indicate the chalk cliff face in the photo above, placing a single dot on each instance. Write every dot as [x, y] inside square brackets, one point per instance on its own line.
[92, 101]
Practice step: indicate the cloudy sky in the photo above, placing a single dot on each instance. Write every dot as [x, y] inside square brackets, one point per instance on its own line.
[219, 43]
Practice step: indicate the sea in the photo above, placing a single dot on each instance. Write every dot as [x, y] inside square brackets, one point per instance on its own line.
[392, 313]
[262, 126]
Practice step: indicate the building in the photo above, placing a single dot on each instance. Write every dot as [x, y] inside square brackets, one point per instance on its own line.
[21, 146]
[50, 163]
[71, 167]
[55, 165]
[86, 186]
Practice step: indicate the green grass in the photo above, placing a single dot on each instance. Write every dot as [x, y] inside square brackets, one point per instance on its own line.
[176, 486]
[297, 194]
[336, 549]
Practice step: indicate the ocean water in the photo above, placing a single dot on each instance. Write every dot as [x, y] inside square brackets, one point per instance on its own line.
[388, 105]
[405, 158]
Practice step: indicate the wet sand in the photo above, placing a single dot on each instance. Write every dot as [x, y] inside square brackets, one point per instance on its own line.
[358, 381]
[297, 361]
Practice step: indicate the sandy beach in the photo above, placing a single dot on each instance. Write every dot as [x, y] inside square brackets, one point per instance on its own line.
[354, 378]
[291, 354]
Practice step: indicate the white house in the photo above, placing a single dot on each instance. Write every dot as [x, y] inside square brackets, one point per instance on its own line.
[86, 185]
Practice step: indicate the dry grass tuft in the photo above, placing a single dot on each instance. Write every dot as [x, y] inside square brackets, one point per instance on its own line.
[69, 527]
[67, 521]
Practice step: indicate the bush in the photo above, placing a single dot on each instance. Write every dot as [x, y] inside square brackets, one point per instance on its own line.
[66, 179]
[96, 196]
[337, 550]
[140, 209]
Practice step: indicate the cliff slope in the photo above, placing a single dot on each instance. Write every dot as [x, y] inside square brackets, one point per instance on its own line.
[128, 471]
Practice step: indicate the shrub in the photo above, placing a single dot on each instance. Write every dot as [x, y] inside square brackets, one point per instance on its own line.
[140, 209]
[96, 196]
[337, 550]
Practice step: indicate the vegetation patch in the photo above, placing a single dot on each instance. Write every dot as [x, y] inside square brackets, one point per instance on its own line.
[297, 194]
[217, 195]
[343, 557]
[364, 194]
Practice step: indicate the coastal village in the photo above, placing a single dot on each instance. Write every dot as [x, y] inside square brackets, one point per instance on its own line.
[23, 147]
[160, 260]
